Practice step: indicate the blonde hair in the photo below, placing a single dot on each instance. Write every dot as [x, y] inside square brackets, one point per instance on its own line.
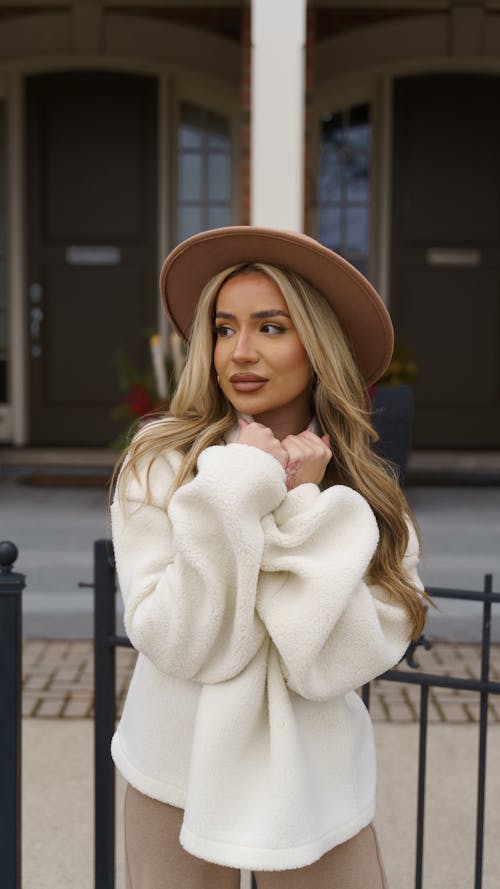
[200, 414]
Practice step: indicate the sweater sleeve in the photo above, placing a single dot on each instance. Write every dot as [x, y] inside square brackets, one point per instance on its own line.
[333, 629]
[188, 574]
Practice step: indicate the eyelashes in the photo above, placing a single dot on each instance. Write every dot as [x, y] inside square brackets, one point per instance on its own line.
[278, 328]
[223, 330]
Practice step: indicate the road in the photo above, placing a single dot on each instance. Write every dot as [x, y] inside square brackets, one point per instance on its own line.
[54, 529]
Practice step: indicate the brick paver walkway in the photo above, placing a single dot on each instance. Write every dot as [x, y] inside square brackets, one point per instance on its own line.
[58, 680]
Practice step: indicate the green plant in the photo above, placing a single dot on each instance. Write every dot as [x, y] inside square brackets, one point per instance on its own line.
[402, 369]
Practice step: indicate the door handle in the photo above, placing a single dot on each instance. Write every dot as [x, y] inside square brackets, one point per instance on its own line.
[36, 318]
[36, 293]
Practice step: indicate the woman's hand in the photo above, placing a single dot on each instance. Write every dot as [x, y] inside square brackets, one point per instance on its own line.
[260, 436]
[308, 457]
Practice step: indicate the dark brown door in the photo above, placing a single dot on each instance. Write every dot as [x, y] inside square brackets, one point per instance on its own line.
[91, 145]
[445, 281]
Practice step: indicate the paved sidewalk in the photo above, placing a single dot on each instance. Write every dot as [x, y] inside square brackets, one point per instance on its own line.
[58, 677]
[58, 681]
[58, 798]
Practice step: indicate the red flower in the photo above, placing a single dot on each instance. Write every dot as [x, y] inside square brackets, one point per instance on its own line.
[138, 401]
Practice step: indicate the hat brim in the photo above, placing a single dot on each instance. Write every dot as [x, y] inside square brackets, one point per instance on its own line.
[354, 300]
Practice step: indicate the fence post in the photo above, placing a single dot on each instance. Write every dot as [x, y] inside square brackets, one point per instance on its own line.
[104, 713]
[483, 729]
[11, 587]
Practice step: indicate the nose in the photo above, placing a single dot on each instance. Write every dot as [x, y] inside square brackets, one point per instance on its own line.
[244, 348]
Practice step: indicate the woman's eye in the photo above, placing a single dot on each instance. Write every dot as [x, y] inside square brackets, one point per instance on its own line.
[273, 328]
[223, 330]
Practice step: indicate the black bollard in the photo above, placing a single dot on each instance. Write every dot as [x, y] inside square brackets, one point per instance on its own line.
[11, 588]
[104, 713]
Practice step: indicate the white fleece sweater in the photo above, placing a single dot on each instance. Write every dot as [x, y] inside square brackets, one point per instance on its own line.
[254, 622]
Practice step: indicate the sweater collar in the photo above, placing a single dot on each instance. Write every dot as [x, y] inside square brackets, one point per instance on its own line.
[231, 436]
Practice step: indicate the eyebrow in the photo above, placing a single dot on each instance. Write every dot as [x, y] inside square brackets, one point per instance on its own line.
[266, 313]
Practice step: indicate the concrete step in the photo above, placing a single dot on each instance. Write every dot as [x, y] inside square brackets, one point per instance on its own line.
[57, 458]
[481, 468]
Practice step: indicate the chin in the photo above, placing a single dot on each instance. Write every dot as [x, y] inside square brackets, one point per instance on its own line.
[248, 405]
[255, 404]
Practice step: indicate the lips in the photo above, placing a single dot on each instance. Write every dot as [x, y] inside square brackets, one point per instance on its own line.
[247, 378]
[247, 382]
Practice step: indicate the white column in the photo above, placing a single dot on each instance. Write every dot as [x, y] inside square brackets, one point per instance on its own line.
[277, 117]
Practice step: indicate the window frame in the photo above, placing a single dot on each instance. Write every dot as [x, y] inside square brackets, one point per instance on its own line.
[341, 203]
[204, 202]
[332, 97]
[226, 102]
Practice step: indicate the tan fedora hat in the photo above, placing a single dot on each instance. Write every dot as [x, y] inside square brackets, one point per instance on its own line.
[355, 302]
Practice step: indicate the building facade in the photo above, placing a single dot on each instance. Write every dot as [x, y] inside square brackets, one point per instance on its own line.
[126, 126]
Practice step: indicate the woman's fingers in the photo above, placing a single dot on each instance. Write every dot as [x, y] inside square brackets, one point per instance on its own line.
[308, 457]
[260, 436]
[304, 456]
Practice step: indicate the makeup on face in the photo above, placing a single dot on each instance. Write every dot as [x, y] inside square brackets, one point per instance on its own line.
[262, 366]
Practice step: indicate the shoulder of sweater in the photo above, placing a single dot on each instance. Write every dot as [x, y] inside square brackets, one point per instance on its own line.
[154, 471]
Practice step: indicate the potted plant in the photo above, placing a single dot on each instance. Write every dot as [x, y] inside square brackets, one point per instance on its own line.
[148, 390]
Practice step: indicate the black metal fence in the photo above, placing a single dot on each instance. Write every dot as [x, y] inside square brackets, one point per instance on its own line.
[106, 641]
[484, 686]
[11, 588]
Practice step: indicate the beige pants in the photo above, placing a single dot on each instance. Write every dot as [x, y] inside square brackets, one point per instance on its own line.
[156, 860]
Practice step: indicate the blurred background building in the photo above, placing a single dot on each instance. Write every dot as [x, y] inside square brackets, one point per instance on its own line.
[126, 126]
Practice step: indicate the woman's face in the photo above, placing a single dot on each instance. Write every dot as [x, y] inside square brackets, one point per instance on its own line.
[262, 365]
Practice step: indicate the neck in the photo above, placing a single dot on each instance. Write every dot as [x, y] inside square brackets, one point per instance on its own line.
[291, 419]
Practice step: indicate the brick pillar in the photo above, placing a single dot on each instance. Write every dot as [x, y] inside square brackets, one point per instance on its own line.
[309, 126]
[246, 102]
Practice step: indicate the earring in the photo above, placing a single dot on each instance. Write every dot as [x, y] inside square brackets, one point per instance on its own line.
[314, 381]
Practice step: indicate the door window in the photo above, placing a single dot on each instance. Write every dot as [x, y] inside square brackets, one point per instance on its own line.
[204, 152]
[344, 184]
[3, 263]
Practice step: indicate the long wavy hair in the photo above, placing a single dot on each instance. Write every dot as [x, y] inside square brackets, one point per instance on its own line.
[200, 414]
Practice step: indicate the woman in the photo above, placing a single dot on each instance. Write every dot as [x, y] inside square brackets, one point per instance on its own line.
[267, 561]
